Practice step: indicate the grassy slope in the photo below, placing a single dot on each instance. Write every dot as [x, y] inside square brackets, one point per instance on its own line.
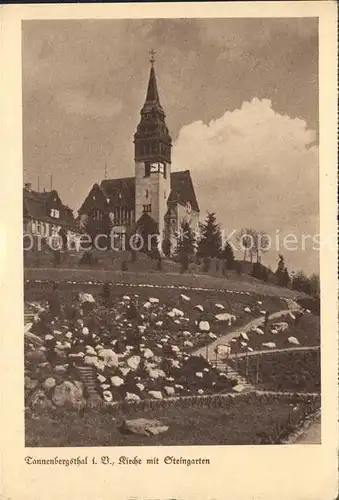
[246, 421]
[233, 282]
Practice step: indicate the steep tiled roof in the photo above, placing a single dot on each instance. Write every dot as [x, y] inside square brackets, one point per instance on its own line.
[182, 189]
[37, 205]
[120, 192]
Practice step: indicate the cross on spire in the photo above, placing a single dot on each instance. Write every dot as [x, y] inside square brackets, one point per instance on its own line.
[152, 57]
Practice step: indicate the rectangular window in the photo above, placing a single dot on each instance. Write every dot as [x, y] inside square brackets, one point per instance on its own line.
[55, 213]
[147, 208]
[147, 169]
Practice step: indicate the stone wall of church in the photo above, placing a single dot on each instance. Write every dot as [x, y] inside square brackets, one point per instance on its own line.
[153, 190]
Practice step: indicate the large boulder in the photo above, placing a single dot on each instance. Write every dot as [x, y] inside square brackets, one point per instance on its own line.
[143, 426]
[69, 395]
[109, 357]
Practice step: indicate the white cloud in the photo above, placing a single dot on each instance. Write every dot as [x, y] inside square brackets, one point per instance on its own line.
[256, 168]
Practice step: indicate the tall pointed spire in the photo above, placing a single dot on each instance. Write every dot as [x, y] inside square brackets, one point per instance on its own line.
[152, 138]
[152, 97]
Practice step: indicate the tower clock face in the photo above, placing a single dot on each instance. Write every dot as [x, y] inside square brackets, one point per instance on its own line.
[157, 167]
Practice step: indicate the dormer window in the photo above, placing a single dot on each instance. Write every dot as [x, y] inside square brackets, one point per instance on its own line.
[55, 213]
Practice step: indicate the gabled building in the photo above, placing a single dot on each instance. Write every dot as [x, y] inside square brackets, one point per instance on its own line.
[155, 192]
[45, 215]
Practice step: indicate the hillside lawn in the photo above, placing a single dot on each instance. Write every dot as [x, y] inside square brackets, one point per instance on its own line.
[243, 420]
[232, 282]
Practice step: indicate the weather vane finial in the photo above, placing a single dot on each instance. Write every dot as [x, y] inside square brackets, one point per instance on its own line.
[152, 57]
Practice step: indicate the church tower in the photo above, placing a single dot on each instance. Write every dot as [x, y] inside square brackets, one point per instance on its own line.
[152, 156]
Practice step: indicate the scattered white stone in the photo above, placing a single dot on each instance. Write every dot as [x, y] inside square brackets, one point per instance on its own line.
[49, 337]
[200, 391]
[153, 300]
[206, 370]
[212, 336]
[175, 348]
[147, 353]
[156, 373]
[199, 374]
[109, 357]
[243, 344]
[134, 362]
[159, 346]
[142, 328]
[204, 326]
[155, 394]
[69, 335]
[250, 349]
[259, 303]
[86, 297]
[187, 343]
[247, 310]
[219, 306]
[90, 350]
[159, 323]
[178, 386]
[124, 370]
[308, 311]
[291, 315]
[140, 386]
[186, 334]
[126, 297]
[263, 313]
[274, 331]
[170, 391]
[108, 396]
[117, 381]
[199, 307]
[184, 297]
[293, 340]
[101, 378]
[147, 305]
[238, 388]
[132, 397]
[270, 345]
[230, 318]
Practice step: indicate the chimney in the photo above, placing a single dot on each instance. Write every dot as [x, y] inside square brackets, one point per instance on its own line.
[28, 186]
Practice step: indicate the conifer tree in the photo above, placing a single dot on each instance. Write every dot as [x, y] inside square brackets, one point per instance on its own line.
[210, 238]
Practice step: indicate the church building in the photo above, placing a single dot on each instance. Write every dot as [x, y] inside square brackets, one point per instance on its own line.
[155, 196]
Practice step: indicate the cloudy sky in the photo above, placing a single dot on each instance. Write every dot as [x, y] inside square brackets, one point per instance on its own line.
[241, 98]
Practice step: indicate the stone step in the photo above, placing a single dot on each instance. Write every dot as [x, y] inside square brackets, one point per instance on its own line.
[86, 374]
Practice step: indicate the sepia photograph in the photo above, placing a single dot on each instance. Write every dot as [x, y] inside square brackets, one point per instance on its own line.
[171, 232]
